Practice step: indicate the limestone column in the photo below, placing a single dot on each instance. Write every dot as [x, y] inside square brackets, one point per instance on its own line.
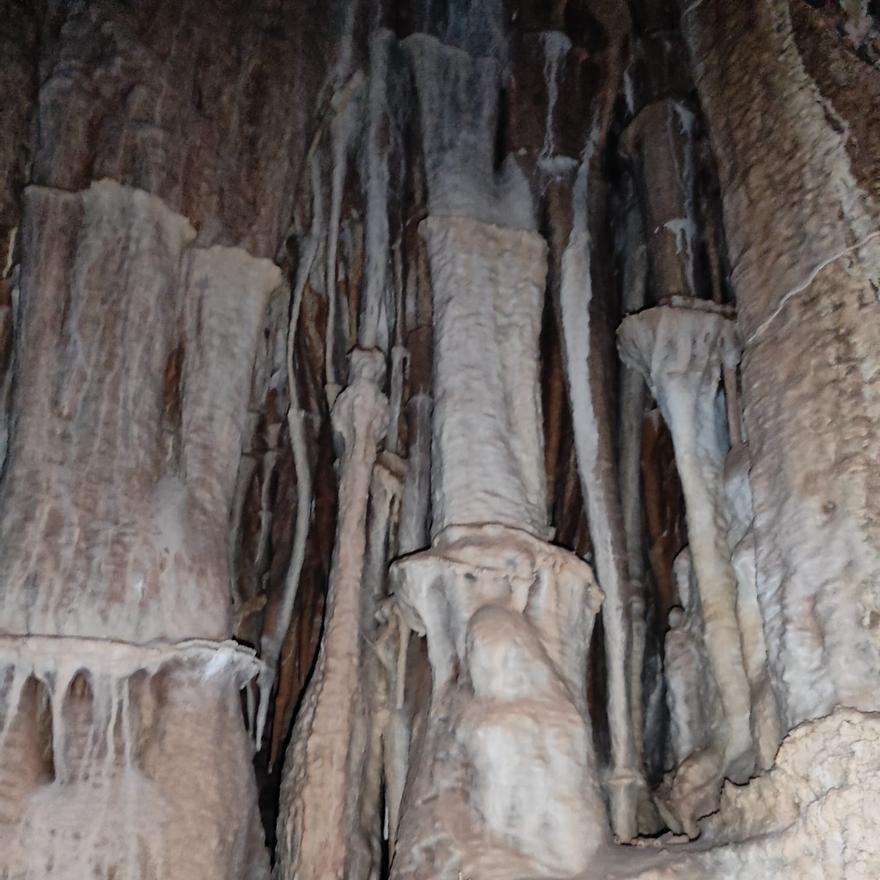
[504, 783]
[113, 514]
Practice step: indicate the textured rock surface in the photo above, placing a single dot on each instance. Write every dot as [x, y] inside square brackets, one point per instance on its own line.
[812, 816]
[801, 211]
[178, 100]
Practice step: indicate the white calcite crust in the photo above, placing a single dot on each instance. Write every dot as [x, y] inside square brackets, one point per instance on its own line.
[814, 816]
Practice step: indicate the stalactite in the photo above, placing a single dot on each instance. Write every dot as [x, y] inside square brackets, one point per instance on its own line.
[376, 305]
[632, 408]
[277, 625]
[595, 459]
[343, 128]
[107, 732]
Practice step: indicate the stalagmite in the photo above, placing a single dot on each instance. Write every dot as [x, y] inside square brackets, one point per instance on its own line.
[680, 349]
[810, 818]
[691, 691]
[506, 610]
[114, 709]
[382, 530]
[319, 834]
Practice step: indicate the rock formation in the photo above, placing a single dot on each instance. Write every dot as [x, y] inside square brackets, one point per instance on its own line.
[438, 440]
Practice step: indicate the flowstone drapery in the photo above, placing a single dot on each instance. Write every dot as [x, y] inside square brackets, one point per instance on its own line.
[805, 252]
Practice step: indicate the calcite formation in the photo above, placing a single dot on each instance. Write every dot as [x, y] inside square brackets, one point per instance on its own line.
[501, 612]
[811, 816]
[487, 444]
[107, 581]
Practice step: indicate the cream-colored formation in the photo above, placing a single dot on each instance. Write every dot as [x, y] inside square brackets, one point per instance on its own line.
[503, 613]
[118, 474]
[596, 464]
[488, 284]
[812, 816]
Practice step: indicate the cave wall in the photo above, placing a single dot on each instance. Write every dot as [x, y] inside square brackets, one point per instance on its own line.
[455, 421]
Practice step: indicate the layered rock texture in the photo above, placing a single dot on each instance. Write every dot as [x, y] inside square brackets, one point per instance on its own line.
[439, 440]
